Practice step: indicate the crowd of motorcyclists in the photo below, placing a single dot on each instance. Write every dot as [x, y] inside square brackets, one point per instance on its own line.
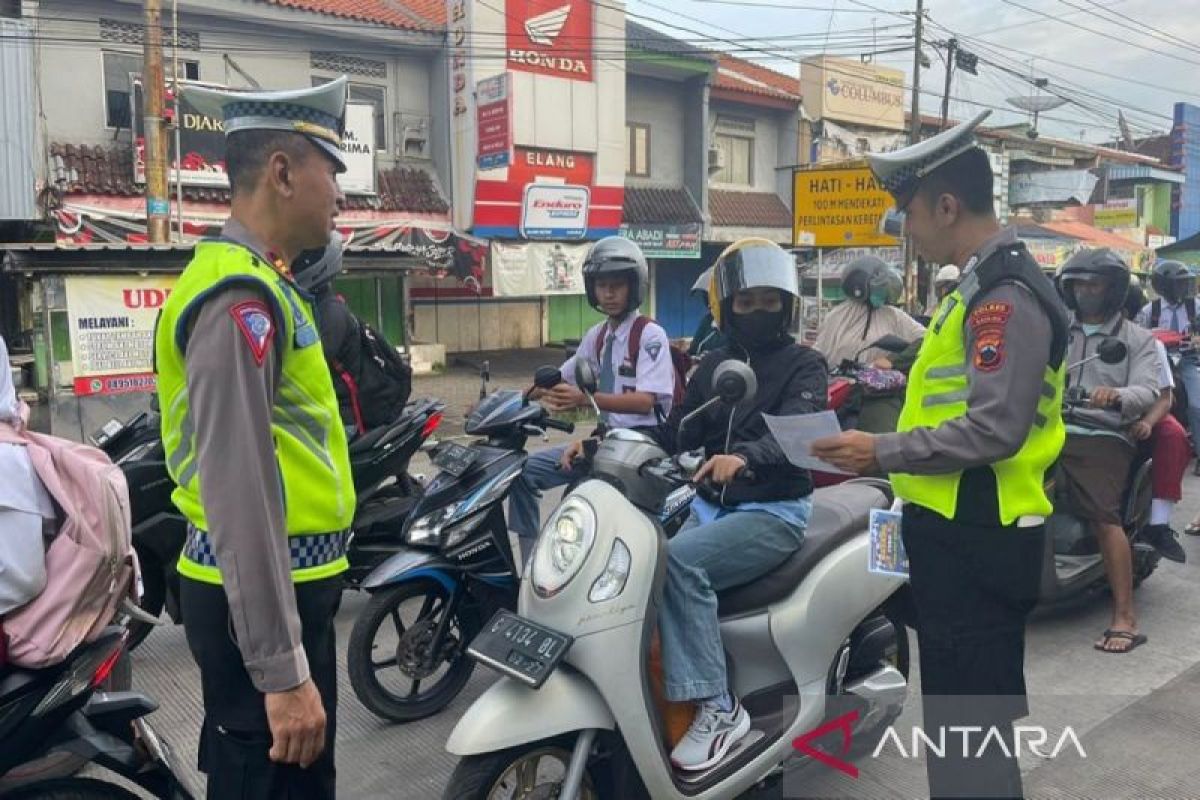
[744, 512]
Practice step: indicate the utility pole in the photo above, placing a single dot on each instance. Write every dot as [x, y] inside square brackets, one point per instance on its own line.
[158, 206]
[911, 283]
[951, 47]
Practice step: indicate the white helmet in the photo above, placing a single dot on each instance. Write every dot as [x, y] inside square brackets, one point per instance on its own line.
[947, 274]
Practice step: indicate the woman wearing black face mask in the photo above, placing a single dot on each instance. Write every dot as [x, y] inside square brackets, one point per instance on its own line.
[753, 504]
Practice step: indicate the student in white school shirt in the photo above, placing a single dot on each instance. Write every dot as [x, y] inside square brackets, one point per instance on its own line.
[631, 395]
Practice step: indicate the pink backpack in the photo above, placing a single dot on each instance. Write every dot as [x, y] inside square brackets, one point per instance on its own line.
[90, 566]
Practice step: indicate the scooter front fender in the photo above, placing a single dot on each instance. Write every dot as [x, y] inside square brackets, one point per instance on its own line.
[409, 564]
[511, 714]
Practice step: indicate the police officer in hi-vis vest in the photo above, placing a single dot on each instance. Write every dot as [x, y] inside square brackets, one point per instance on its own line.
[256, 447]
[981, 425]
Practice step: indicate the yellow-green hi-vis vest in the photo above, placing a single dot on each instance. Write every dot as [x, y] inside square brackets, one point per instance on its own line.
[937, 392]
[310, 442]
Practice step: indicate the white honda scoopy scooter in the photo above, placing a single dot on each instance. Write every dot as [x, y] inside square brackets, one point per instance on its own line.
[574, 716]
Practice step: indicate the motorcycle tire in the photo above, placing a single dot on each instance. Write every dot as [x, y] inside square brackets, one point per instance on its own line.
[486, 776]
[71, 789]
[364, 671]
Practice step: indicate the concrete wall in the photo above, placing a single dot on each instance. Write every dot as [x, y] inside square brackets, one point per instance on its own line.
[661, 105]
[695, 159]
[72, 74]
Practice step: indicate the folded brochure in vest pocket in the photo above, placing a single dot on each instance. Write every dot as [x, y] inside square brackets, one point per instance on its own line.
[887, 556]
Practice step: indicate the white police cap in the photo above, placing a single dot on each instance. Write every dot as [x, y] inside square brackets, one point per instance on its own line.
[318, 113]
[900, 171]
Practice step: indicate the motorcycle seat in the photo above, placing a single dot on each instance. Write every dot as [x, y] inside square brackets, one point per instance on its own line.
[839, 513]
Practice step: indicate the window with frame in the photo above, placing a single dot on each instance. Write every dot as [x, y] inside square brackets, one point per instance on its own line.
[637, 149]
[376, 97]
[118, 98]
[738, 155]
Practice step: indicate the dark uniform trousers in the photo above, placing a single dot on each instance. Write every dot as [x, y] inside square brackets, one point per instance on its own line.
[236, 739]
[973, 585]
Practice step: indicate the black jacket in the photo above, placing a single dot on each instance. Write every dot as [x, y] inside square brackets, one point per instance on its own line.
[792, 379]
[340, 342]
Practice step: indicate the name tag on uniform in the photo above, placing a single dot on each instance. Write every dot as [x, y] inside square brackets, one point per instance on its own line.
[305, 335]
[887, 556]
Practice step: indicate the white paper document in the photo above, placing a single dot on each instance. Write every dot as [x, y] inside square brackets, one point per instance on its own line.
[796, 434]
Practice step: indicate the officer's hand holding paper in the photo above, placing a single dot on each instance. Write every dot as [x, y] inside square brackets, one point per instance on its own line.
[797, 433]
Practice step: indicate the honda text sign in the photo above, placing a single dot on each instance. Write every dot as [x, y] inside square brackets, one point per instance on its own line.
[554, 211]
[550, 37]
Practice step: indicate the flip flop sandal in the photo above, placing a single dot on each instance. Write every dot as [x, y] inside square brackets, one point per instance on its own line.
[1135, 640]
[1193, 529]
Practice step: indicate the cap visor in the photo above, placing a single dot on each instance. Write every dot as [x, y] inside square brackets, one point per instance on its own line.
[331, 150]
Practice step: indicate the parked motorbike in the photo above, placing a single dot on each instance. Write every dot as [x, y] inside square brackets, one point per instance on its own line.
[572, 715]
[456, 568]
[1073, 566]
[379, 462]
[56, 714]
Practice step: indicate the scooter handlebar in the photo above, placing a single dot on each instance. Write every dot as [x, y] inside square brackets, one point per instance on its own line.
[558, 425]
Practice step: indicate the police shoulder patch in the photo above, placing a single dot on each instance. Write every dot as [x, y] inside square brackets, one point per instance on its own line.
[254, 321]
[987, 323]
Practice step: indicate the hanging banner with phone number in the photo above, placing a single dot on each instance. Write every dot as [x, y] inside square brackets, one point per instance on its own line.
[111, 322]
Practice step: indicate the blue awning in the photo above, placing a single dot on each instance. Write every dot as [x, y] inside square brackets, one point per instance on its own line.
[1144, 172]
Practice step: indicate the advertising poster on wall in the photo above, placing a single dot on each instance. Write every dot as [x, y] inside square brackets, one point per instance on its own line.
[111, 323]
[538, 268]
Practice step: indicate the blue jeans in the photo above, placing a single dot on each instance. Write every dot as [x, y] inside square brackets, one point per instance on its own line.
[1189, 374]
[541, 472]
[701, 561]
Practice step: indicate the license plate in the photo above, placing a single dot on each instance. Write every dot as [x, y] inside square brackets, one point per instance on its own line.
[518, 648]
[454, 458]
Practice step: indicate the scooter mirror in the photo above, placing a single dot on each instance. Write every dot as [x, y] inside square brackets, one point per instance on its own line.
[891, 343]
[1112, 351]
[585, 376]
[734, 382]
[547, 377]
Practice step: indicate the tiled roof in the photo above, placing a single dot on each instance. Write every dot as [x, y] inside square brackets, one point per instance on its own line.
[739, 75]
[1092, 236]
[413, 15]
[748, 209]
[80, 169]
[647, 206]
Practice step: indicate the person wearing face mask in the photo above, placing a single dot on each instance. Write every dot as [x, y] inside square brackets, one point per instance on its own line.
[1100, 450]
[870, 287]
[753, 504]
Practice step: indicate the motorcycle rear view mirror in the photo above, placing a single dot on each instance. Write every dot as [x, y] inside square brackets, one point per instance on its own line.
[547, 377]
[734, 382]
[587, 381]
[1112, 351]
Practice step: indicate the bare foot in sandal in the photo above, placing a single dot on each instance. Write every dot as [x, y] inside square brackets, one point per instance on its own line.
[1193, 529]
[1120, 639]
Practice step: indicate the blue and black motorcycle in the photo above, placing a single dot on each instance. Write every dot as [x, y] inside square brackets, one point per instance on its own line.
[407, 654]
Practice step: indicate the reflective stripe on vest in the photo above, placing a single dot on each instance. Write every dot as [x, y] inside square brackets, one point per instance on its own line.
[938, 389]
[310, 442]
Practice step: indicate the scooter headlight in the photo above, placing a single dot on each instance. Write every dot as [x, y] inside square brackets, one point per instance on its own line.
[426, 530]
[563, 547]
[612, 581]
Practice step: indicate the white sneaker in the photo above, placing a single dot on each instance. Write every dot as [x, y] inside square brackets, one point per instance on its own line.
[712, 733]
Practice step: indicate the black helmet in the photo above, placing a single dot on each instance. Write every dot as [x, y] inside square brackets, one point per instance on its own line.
[867, 280]
[616, 255]
[753, 264]
[1173, 281]
[315, 268]
[1135, 301]
[1090, 264]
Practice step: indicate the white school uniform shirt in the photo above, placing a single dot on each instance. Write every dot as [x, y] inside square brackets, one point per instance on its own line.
[655, 374]
[20, 487]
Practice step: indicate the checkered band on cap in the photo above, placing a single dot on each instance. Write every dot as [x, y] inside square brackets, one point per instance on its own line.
[313, 121]
[903, 179]
[315, 550]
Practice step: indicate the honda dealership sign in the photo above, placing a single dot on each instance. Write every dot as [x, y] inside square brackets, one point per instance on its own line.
[550, 37]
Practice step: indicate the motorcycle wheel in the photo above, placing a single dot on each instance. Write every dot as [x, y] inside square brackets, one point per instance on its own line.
[534, 770]
[71, 789]
[154, 598]
[403, 657]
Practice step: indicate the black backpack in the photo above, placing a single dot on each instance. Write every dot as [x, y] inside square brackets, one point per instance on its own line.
[377, 388]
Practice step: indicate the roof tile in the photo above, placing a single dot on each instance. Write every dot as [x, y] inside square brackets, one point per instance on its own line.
[413, 15]
[740, 75]
[651, 206]
[748, 209]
